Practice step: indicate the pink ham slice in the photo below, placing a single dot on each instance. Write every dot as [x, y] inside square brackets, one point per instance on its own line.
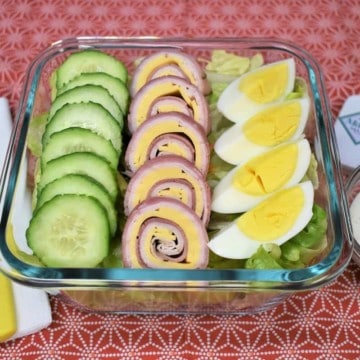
[164, 233]
[169, 168]
[176, 189]
[169, 62]
[166, 70]
[169, 103]
[164, 143]
[158, 135]
[168, 86]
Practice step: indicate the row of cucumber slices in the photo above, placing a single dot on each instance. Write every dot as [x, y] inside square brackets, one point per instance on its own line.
[76, 184]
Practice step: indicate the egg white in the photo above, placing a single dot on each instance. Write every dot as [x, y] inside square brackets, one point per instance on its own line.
[232, 243]
[234, 147]
[226, 199]
[237, 107]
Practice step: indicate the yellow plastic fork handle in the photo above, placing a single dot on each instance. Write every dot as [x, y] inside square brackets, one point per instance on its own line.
[7, 309]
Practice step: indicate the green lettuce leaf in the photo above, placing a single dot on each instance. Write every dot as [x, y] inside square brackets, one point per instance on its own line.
[311, 172]
[315, 230]
[300, 89]
[218, 262]
[230, 64]
[35, 133]
[262, 259]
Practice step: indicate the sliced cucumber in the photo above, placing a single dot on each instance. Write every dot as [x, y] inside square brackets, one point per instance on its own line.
[80, 185]
[115, 86]
[85, 94]
[86, 61]
[90, 116]
[83, 163]
[70, 231]
[76, 139]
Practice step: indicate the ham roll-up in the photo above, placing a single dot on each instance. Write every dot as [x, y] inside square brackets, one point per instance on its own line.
[168, 86]
[164, 233]
[169, 103]
[170, 169]
[156, 136]
[169, 62]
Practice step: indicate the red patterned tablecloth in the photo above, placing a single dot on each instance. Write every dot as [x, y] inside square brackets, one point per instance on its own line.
[321, 324]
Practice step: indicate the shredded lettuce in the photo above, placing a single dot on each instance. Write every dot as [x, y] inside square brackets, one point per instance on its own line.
[311, 173]
[262, 259]
[314, 231]
[35, 133]
[217, 170]
[219, 221]
[300, 89]
[216, 89]
[218, 262]
[225, 63]
[114, 258]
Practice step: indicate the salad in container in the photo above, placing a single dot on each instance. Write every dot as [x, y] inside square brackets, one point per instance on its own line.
[174, 176]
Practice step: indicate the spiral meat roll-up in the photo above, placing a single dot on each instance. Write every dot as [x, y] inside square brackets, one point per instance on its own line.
[167, 201]
[170, 85]
[163, 232]
[155, 137]
[170, 62]
[170, 176]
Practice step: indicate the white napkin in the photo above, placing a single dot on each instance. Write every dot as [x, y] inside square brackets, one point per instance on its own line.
[33, 311]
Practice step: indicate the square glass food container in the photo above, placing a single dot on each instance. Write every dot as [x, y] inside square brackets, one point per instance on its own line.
[353, 194]
[124, 290]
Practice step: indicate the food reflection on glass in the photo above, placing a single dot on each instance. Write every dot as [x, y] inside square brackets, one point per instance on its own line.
[184, 164]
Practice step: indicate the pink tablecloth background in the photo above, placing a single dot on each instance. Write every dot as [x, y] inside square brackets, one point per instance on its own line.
[322, 324]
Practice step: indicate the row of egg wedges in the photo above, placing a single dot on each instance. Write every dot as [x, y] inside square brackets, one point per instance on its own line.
[270, 155]
[167, 201]
[76, 187]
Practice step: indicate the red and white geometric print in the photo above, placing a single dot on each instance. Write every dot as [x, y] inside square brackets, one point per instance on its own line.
[319, 324]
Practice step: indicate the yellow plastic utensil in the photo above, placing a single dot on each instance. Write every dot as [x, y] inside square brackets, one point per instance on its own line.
[7, 309]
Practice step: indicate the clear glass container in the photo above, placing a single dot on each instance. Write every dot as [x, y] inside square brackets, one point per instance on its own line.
[124, 290]
[353, 191]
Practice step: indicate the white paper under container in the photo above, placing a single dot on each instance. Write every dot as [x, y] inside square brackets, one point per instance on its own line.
[32, 307]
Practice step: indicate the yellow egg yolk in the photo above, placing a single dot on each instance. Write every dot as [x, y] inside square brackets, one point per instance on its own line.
[274, 125]
[267, 172]
[273, 217]
[266, 84]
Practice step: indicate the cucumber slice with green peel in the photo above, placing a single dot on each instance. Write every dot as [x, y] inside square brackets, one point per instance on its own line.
[90, 116]
[86, 61]
[85, 94]
[76, 139]
[83, 163]
[70, 231]
[115, 86]
[80, 185]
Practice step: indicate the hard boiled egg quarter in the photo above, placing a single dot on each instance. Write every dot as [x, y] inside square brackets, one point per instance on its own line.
[267, 128]
[248, 184]
[275, 220]
[257, 89]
